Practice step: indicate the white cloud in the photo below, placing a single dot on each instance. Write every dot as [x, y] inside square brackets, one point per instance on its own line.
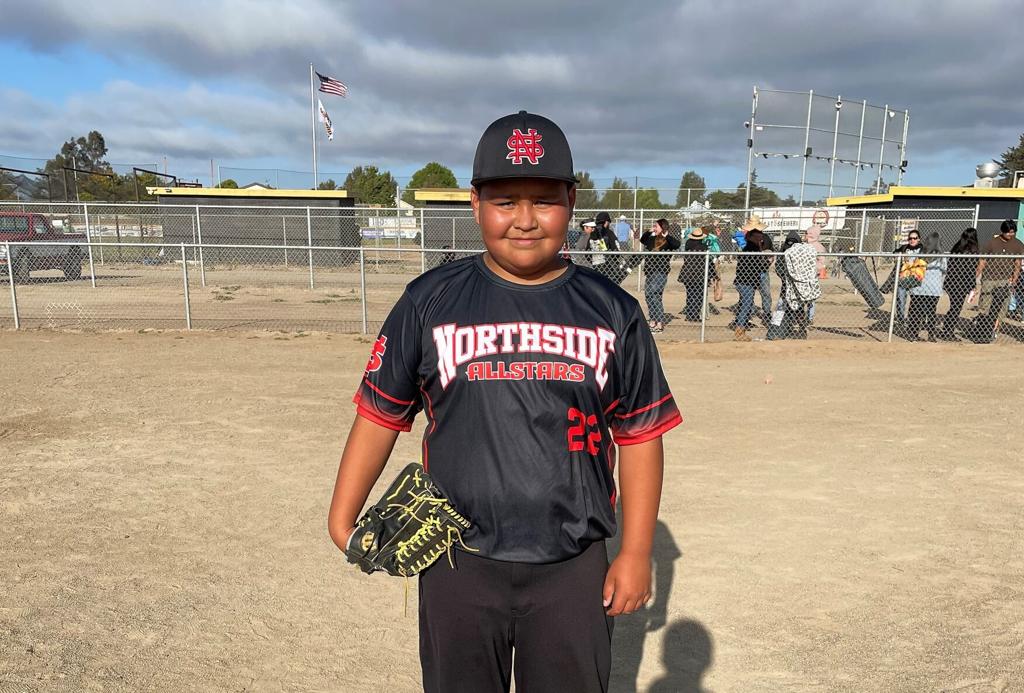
[661, 84]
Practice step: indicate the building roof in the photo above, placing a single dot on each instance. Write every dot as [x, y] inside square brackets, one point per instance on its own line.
[912, 191]
[442, 195]
[248, 192]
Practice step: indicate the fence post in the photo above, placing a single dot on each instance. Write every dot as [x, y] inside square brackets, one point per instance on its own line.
[977, 213]
[423, 244]
[895, 295]
[863, 229]
[88, 238]
[362, 285]
[184, 278]
[704, 303]
[14, 292]
[636, 241]
[284, 237]
[309, 240]
[202, 263]
[88, 226]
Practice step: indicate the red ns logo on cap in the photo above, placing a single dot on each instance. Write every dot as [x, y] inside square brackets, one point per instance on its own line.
[526, 146]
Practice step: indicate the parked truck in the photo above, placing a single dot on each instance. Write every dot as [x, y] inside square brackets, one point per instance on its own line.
[52, 247]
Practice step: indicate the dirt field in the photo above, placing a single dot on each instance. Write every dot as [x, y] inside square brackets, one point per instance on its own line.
[838, 516]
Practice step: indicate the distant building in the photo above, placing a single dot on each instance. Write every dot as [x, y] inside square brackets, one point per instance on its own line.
[989, 205]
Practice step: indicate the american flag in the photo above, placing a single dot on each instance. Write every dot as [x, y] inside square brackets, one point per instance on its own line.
[329, 85]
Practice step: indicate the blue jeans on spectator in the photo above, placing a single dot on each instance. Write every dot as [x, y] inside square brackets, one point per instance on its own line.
[1016, 298]
[654, 287]
[746, 292]
[810, 311]
[901, 302]
[765, 286]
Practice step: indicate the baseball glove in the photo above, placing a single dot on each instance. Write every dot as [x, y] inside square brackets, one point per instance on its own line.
[408, 528]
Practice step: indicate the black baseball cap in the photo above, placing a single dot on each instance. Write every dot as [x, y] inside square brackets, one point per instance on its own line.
[522, 145]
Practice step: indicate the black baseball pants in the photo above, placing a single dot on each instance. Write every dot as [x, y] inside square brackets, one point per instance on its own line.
[551, 615]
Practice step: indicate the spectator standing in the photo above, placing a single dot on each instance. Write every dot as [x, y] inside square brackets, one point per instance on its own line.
[998, 276]
[959, 280]
[691, 274]
[911, 247]
[797, 268]
[714, 248]
[582, 242]
[656, 267]
[600, 240]
[624, 233]
[813, 236]
[749, 267]
[739, 238]
[764, 285]
[1016, 308]
[924, 298]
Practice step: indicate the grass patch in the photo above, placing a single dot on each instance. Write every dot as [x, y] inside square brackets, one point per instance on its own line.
[223, 297]
[277, 300]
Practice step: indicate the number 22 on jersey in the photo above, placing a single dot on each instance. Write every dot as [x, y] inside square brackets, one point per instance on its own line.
[583, 433]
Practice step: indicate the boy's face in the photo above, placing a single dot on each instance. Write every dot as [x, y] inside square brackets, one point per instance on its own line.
[523, 222]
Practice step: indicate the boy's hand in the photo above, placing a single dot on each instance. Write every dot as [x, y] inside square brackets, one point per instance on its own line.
[627, 585]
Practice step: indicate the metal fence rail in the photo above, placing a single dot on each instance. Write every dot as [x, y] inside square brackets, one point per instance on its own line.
[304, 287]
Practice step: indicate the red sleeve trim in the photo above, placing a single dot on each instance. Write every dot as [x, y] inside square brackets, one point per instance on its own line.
[611, 406]
[386, 395]
[381, 421]
[649, 434]
[641, 410]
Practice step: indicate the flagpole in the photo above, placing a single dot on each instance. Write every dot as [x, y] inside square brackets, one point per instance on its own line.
[312, 113]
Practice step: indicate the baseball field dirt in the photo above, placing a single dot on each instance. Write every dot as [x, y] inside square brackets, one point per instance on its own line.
[837, 516]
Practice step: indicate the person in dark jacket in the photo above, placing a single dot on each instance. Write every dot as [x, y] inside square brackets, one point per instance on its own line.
[658, 243]
[959, 280]
[749, 267]
[691, 274]
[599, 238]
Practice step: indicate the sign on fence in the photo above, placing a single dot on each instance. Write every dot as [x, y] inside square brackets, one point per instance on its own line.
[785, 219]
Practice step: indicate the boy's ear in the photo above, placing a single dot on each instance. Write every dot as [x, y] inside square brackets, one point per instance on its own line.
[474, 201]
[572, 197]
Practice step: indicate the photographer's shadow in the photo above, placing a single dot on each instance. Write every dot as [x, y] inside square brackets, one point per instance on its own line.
[687, 645]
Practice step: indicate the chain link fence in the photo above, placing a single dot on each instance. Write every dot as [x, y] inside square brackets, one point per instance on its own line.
[868, 296]
[299, 268]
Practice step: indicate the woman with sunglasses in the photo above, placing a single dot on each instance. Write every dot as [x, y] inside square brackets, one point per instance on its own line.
[911, 247]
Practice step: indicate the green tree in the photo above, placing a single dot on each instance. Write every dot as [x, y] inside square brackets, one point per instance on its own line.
[619, 196]
[1012, 160]
[86, 153]
[647, 198]
[720, 199]
[433, 175]
[692, 188]
[228, 183]
[586, 196]
[370, 185]
[328, 184]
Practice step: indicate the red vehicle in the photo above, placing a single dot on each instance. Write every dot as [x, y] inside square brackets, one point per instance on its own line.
[30, 226]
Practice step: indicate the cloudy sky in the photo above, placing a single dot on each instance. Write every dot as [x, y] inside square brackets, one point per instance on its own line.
[643, 89]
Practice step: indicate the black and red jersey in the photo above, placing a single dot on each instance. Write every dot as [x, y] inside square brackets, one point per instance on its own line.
[526, 389]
